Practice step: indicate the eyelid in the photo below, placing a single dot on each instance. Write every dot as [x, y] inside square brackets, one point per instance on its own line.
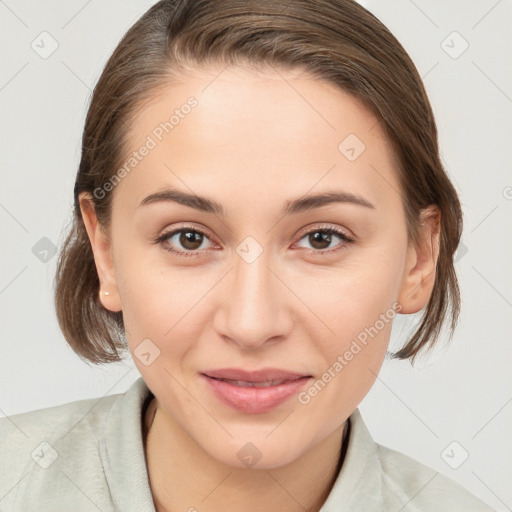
[345, 240]
[326, 226]
[171, 232]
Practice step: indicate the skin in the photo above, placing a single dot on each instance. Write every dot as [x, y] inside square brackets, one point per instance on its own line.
[255, 141]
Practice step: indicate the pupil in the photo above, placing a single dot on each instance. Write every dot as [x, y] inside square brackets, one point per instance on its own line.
[190, 239]
[324, 239]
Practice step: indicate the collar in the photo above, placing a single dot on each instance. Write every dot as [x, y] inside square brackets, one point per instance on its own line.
[358, 484]
[122, 451]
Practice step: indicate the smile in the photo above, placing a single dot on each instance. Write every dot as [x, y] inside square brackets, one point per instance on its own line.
[254, 397]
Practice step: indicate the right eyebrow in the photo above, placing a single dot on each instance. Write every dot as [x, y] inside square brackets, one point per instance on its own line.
[200, 203]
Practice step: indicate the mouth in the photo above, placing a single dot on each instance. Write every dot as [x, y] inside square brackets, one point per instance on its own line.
[252, 384]
[254, 392]
[265, 375]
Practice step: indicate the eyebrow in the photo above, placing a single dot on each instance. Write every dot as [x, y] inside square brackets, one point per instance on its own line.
[305, 203]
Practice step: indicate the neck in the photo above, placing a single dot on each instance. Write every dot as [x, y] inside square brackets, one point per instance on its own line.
[184, 477]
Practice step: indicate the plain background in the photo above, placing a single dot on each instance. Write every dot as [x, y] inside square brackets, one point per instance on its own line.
[461, 394]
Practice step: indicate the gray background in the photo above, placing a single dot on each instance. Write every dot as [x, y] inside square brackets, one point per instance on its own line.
[462, 393]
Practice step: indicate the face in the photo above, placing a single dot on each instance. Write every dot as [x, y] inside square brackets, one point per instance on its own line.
[256, 275]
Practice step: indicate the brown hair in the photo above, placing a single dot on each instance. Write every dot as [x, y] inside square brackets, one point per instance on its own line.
[336, 40]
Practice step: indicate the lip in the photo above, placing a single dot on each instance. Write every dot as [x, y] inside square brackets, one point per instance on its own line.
[254, 400]
[254, 376]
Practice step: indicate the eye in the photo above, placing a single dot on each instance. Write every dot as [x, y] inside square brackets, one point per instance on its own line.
[321, 239]
[188, 241]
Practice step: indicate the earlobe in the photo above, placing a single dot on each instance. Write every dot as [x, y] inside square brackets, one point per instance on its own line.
[421, 262]
[108, 293]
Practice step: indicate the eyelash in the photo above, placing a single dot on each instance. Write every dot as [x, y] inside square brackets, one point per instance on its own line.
[331, 231]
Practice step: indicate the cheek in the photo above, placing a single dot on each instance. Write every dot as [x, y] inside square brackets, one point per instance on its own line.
[167, 305]
[352, 358]
[357, 306]
[353, 295]
[155, 298]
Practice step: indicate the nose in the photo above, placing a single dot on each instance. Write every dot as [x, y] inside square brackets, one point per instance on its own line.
[254, 305]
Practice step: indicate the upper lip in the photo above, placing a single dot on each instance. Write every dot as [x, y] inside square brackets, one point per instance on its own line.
[263, 375]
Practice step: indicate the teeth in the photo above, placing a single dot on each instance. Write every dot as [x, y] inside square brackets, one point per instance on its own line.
[264, 384]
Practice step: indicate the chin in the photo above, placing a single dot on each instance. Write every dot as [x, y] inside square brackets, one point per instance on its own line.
[260, 453]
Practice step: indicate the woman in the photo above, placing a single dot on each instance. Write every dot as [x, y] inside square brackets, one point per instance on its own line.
[260, 193]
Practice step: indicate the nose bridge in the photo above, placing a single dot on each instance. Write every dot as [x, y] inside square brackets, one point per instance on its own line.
[252, 311]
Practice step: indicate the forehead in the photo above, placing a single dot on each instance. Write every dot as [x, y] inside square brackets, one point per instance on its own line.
[265, 133]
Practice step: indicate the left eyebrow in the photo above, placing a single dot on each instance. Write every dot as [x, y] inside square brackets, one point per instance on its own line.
[302, 204]
[323, 199]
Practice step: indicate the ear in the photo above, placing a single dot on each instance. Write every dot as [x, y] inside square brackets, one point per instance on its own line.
[101, 248]
[420, 270]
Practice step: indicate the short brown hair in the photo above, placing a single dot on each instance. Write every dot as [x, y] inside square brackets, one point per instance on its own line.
[336, 40]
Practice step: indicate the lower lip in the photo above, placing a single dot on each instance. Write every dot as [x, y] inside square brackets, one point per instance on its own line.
[253, 400]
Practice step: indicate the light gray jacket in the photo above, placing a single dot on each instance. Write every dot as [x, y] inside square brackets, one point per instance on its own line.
[88, 455]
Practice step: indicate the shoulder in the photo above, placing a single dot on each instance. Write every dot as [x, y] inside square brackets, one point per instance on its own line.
[374, 478]
[55, 420]
[423, 487]
[72, 420]
[47, 453]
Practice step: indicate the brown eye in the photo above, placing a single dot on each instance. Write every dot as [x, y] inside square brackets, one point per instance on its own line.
[190, 240]
[321, 239]
[183, 241]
